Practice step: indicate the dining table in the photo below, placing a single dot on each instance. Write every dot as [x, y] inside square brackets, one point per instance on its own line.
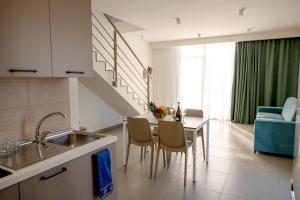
[190, 124]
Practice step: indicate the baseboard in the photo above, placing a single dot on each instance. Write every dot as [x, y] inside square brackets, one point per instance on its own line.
[109, 128]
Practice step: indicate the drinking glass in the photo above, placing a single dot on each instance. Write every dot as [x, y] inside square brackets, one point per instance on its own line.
[8, 145]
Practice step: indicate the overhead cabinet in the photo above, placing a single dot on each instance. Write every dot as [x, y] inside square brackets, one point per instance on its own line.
[25, 48]
[71, 37]
[45, 38]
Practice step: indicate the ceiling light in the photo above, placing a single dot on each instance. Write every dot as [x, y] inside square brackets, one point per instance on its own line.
[178, 20]
[241, 11]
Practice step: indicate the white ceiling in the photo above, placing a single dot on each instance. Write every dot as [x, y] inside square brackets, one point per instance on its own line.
[208, 17]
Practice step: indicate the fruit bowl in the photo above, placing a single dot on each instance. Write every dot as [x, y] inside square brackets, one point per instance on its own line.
[158, 112]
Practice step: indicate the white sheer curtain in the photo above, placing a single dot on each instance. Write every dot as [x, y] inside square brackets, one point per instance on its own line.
[166, 76]
[218, 80]
[191, 76]
[199, 76]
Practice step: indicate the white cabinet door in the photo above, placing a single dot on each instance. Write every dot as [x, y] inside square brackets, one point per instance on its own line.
[25, 48]
[71, 37]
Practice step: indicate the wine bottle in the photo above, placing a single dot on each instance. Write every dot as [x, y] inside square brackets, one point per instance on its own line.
[178, 115]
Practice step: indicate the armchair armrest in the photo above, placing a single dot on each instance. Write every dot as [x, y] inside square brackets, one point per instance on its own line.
[269, 109]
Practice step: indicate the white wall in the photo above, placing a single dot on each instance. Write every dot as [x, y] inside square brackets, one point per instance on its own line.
[74, 103]
[143, 51]
[94, 113]
[141, 48]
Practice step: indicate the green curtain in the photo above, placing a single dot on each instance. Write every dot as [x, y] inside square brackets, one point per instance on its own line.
[265, 73]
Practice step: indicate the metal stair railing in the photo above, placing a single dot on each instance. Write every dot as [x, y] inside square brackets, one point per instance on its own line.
[129, 71]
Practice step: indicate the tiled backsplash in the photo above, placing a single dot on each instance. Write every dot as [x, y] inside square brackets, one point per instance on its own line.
[23, 101]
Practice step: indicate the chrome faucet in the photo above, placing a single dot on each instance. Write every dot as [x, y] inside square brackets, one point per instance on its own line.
[40, 138]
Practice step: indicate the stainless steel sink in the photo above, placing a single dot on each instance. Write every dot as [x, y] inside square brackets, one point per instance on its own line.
[74, 139]
[30, 153]
[4, 173]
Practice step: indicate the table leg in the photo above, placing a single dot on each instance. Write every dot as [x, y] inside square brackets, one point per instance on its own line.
[194, 154]
[124, 141]
[207, 143]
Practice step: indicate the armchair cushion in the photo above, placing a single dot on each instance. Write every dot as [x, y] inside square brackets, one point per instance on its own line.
[269, 115]
[289, 109]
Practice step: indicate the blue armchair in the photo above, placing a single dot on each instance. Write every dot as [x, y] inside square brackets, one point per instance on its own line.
[274, 128]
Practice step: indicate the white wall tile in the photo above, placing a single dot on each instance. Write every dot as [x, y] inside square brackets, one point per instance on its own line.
[23, 102]
[55, 123]
[48, 90]
[13, 93]
[15, 122]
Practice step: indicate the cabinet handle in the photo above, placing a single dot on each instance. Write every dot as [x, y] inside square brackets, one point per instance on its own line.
[51, 176]
[23, 70]
[74, 72]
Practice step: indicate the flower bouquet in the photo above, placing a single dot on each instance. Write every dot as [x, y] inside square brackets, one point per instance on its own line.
[158, 112]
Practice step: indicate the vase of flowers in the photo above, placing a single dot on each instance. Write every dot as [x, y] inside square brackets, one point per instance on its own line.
[158, 112]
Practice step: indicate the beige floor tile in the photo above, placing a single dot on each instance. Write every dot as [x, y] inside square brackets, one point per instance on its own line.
[180, 193]
[217, 164]
[233, 173]
[228, 197]
[250, 187]
[209, 180]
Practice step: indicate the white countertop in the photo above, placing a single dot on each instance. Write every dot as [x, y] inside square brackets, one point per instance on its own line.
[37, 168]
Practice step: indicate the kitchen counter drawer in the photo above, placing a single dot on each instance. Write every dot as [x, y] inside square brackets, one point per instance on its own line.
[10, 193]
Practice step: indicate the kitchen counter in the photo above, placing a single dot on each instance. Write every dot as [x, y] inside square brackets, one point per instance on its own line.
[42, 166]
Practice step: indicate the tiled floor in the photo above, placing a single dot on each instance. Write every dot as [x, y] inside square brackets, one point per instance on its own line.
[233, 173]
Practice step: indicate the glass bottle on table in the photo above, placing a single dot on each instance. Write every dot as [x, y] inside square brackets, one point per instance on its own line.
[178, 115]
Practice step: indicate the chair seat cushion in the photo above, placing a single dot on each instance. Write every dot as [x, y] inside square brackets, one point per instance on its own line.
[269, 115]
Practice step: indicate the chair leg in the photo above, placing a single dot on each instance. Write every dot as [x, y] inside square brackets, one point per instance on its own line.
[203, 147]
[185, 166]
[127, 156]
[141, 153]
[156, 164]
[164, 157]
[145, 151]
[169, 155]
[151, 162]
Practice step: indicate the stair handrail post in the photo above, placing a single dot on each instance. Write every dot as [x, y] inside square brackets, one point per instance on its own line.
[148, 89]
[115, 82]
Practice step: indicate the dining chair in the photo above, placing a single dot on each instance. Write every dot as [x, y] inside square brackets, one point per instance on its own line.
[172, 139]
[154, 132]
[140, 134]
[196, 113]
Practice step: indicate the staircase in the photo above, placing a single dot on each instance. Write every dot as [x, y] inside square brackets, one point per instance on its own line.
[121, 78]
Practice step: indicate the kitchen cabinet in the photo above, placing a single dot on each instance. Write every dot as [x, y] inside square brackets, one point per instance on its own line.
[45, 38]
[74, 180]
[68, 181]
[10, 193]
[71, 37]
[25, 48]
